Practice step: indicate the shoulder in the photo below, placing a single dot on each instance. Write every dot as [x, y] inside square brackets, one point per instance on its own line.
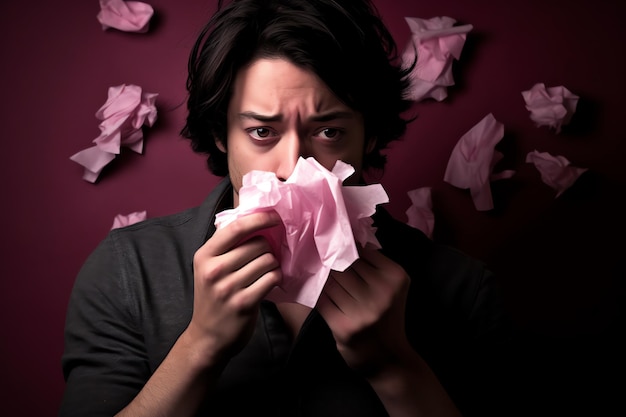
[158, 250]
[184, 231]
[193, 223]
[154, 235]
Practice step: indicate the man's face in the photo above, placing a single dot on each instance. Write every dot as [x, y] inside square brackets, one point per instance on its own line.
[279, 112]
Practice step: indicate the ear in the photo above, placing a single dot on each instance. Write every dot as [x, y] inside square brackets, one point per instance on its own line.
[220, 144]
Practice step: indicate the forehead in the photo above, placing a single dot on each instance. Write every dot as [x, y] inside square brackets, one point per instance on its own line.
[274, 85]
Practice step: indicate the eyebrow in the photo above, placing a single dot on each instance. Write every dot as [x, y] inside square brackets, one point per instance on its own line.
[260, 117]
[322, 117]
[332, 115]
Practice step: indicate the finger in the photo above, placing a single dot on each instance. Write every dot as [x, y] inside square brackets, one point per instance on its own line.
[327, 308]
[215, 267]
[251, 282]
[336, 291]
[228, 237]
[348, 282]
[371, 256]
[338, 310]
[256, 268]
[376, 269]
[258, 288]
[379, 271]
[245, 253]
[342, 300]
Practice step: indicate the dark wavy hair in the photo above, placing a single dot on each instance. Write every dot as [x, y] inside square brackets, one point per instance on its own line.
[344, 42]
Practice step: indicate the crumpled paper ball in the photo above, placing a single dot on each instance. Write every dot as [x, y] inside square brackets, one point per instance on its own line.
[125, 112]
[556, 171]
[322, 222]
[127, 16]
[420, 213]
[123, 220]
[473, 159]
[552, 107]
[437, 43]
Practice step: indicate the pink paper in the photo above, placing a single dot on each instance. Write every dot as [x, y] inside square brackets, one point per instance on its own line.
[127, 16]
[122, 220]
[321, 220]
[552, 107]
[556, 171]
[437, 43]
[420, 214]
[473, 159]
[126, 110]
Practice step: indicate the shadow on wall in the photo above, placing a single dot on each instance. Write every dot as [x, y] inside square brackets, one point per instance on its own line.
[569, 352]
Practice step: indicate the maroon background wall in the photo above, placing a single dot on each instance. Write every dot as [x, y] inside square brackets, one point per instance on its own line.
[560, 261]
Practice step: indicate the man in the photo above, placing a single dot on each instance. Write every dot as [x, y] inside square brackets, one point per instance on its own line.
[170, 317]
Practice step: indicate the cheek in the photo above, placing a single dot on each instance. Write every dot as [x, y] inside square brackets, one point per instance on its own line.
[234, 171]
[242, 160]
[327, 161]
[352, 153]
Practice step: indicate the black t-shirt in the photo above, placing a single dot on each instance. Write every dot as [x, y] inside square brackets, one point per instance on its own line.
[134, 297]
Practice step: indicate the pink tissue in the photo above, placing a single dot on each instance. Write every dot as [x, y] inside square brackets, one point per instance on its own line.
[437, 43]
[321, 220]
[122, 117]
[122, 220]
[473, 159]
[553, 107]
[556, 171]
[127, 16]
[420, 214]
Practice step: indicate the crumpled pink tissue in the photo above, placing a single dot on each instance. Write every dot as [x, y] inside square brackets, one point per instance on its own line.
[437, 43]
[126, 110]
[123, 220]
[556, 171]
[321, 219]
[473, 159]
[127, 16]
[552, 106]
[420, 214]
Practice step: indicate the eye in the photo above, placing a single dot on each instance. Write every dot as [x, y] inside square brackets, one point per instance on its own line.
[261, 133]
[329, 134]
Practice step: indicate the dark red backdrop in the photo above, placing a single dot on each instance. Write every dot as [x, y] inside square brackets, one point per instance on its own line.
[561, 261]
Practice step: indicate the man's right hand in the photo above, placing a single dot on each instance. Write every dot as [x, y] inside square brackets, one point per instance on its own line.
[233, 272]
